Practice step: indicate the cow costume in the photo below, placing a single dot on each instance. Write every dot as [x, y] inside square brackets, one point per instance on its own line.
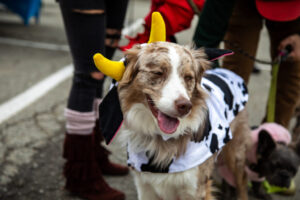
[227, 96]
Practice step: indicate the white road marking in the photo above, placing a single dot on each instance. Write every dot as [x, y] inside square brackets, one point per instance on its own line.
[21, 101]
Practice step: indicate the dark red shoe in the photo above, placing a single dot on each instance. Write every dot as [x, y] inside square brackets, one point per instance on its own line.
[102, 154]
[82, 172]
[107, 167]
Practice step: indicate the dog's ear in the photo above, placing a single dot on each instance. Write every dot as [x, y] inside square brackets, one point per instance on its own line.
[209, 54]
[214, 53]
[132, 64]
[266, 144]
[202, 63]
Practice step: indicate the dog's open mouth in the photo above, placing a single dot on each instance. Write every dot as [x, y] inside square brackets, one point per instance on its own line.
[166, 123]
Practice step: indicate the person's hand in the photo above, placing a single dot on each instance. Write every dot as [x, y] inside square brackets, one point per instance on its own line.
[294, 41]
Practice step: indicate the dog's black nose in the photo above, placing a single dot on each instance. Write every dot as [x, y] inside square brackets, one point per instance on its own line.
[183, 106]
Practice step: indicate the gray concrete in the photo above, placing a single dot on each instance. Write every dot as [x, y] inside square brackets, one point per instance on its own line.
[31, 141]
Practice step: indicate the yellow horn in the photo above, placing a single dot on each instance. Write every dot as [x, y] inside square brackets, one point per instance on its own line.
[113, 69]
[158, 28]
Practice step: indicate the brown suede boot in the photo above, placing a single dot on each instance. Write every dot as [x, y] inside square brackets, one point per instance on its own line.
[106, 166]
[82, 172]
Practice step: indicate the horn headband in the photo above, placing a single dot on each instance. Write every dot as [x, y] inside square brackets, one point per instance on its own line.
[115, 69]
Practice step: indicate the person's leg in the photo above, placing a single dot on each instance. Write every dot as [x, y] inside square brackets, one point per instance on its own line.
[242, 35]
[85, 32]
[115, 13]
[288, 82]
[82, 171]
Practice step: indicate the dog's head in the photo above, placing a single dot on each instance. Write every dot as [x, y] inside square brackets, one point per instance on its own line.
[161, 88]
[277, 161]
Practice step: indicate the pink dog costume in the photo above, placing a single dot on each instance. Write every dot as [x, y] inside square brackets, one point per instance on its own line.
[278, 134]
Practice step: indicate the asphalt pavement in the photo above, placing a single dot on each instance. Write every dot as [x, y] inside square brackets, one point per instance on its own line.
[31, 139]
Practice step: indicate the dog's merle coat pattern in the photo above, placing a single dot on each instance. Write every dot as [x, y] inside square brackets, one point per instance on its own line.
[227, 96]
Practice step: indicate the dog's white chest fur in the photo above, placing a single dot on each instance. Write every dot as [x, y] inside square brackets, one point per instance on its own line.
[166, 187]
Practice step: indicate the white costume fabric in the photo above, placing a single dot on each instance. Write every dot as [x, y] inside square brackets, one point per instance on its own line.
[227, 97]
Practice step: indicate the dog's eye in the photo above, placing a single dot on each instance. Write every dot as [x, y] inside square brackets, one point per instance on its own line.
[157, 73]
[188, 78]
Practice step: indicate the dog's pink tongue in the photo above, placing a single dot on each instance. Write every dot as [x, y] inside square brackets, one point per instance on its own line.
[166, 123]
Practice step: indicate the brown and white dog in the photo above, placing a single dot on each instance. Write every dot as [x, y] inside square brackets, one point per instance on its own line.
[165, 110]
